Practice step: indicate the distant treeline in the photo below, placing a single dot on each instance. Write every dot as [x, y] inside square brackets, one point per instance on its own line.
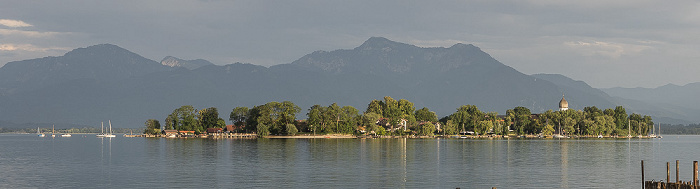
[692, 129]
[400, 117]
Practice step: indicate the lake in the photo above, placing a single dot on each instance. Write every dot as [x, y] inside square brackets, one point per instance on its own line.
[84, 161]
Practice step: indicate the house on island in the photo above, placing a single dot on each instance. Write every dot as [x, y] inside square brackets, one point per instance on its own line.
[170, 133]
[187, 133]
[215, 131]
[386, 123]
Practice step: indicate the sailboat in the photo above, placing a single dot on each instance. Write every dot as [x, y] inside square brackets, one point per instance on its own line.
[102, 132]
[660, 131]
[110, 135]
[653, 131]
[559, 135]
[629, 134]
[66, 135]
[53, 130]
[38, 132]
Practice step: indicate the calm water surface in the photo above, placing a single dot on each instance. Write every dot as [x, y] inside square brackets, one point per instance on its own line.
[84, 161]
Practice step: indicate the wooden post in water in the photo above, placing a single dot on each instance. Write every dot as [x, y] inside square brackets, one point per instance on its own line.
[642, 174]
[676, 171]
[695, 173]
[668, 173]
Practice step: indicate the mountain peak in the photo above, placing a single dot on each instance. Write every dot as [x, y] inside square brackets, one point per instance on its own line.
[380, 42]
[463, 46]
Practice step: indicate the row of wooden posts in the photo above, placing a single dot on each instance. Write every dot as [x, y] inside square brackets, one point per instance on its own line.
[678, 184]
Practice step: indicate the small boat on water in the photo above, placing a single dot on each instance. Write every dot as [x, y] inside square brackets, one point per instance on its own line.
[110, 135]
[53, 130]
[38, 132]
[600, 136]
[559, 136]
[102, 131]
[66, 135]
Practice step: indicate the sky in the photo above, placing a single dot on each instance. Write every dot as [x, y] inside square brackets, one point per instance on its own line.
[621, 43]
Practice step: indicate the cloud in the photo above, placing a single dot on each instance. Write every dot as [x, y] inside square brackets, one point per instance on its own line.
[34, 34]
[14, 23]
[607, 49]
[29, 47]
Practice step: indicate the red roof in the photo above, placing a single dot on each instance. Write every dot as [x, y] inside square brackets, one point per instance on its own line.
[214, 130]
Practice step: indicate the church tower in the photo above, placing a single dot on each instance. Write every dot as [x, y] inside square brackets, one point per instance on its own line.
[563, 104]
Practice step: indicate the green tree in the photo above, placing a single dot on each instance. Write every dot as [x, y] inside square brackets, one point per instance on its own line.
[605, 125]
[483, 127]
[450, 128]
[548, 130]
[315, 118]
[467, 117]
[170, 122]
[208, 118]
[375, 106]
[290, 129]
[260, 116]
[424, 114]
[332, 117]
[406, 109]
[369, 120]
[620, 116]
[262, 129]
[183, 119]
[152, 127]
[239, 115]
[391, 111]
[568, 125]
[426, 129]
[287, 112]
[348, 119]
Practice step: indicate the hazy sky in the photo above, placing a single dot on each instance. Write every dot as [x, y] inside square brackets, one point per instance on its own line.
[629, 43]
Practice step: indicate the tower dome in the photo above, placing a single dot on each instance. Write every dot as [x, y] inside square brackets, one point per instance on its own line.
[563, 104]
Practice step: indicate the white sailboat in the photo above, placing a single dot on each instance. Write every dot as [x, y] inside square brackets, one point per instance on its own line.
[628, 130]
[660, 131]
[110, 135]
[53, 130]
[102, 131]
[38, 132]
[653, 131]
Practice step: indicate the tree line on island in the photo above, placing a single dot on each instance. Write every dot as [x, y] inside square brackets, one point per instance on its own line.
[392, 117]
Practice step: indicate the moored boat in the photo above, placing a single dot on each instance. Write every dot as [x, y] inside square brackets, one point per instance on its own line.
[38, 132]
[102, 131]
[110, 135]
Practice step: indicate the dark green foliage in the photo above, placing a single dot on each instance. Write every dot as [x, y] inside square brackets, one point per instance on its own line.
[239, 115]
[152, 127]
[426, 129]
[290, 129]
[209, 118]
[424, 114]
[183, 119]
[271, 118]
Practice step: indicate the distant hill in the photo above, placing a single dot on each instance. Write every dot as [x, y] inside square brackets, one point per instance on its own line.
[106, 82]
[189, 64]
[673, 101]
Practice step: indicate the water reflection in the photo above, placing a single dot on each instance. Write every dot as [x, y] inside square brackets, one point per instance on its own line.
[339, 163]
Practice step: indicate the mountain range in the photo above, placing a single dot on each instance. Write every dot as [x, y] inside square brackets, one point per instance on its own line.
[106, 82]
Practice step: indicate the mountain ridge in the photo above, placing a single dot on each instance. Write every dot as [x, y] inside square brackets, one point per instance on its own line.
[439, 78]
